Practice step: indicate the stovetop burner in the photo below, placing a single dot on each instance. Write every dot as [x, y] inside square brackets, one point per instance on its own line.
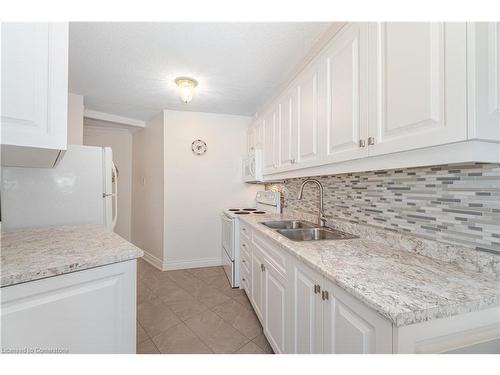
[242, 213]
[234, 209]
[259, 212]
[249, 209]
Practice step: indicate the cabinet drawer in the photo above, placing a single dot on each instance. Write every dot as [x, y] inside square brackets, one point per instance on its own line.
[245, 231]
[245, 270]
[245, 246]
[245, 283]
[245, 262]
[275, 255]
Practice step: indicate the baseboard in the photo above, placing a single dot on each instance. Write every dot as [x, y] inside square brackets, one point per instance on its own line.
[195, 263]
[154, 261]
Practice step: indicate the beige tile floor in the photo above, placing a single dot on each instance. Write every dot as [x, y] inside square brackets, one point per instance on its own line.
[194, 311]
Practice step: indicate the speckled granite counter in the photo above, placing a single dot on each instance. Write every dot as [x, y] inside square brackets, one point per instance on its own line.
[401, 285]
[33, 254]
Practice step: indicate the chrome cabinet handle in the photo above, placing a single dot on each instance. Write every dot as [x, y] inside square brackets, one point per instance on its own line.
[324, 295]
[371, 141]
[362, 143]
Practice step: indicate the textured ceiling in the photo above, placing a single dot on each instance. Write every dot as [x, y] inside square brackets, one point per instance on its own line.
[129, 69]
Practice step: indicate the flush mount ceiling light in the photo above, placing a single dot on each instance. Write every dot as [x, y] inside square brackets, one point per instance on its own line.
[186, 86]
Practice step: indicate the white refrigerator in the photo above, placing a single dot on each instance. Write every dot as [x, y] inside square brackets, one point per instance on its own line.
[82, 189]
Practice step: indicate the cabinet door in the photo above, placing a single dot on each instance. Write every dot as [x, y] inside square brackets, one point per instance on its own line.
[308, 107]
[257, 289]
[259, 134]
[90, 311]
[269, 142]
[347, 89]
[417, 85]
[276, 314]
[307, 310]
[484, 80]
[251, 138]
[288, 129]
[350, 327]
[34, 89]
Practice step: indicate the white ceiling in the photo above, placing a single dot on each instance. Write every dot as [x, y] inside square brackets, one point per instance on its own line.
[128, 69]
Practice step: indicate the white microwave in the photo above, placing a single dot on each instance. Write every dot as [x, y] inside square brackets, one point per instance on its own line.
[252, 167]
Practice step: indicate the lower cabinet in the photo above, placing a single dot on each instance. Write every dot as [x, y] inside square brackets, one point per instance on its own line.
[303, 312]
[91, 311]
[328, 320]
[276, 311]
[306, 310]
[257, 286]
[350, 327]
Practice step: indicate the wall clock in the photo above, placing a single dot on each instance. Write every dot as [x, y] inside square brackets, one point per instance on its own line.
[198, 147]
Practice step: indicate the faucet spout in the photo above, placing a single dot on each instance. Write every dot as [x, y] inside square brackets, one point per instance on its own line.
[321, 213]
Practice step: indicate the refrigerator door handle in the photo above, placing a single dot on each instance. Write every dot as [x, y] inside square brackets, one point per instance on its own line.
[115, 195]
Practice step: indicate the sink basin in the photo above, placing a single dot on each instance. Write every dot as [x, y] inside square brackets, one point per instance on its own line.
[315, 234]
[288, 224]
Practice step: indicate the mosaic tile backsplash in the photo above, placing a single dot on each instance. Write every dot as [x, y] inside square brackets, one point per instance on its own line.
[457, 204]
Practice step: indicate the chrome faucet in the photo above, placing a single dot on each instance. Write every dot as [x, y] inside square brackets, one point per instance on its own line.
[321, 214]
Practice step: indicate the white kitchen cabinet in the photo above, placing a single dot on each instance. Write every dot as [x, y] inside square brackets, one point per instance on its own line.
[306, 310]
[347, 88]
[328, 320]
[257, 282]
[483, 41]
[428, 92]
[259, 134]
[308, 98]
[288, 128]
[417, 85]
[251, 138]
[90, 311]
[276, 311]
[271, 128]
[302, 311]
[350, 327]
[34, 93]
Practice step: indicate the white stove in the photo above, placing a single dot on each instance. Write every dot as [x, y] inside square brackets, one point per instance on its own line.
[266, 202]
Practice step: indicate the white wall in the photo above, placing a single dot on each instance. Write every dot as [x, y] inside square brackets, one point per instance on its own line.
[75, 119]
[147, 190]
[98, 133]
[197, 188]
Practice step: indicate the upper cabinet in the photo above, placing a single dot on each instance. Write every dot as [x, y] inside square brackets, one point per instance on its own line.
[427, 91]
[308, 97]
[288, 128]
[346, 64]
[417, 85]
[271, 130]
[483, 40]
[34, 93]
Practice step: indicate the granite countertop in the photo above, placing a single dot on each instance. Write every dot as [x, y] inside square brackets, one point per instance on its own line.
[401, 285]
[32, 254]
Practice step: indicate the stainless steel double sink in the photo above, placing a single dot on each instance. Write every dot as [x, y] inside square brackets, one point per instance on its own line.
[297, 230]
